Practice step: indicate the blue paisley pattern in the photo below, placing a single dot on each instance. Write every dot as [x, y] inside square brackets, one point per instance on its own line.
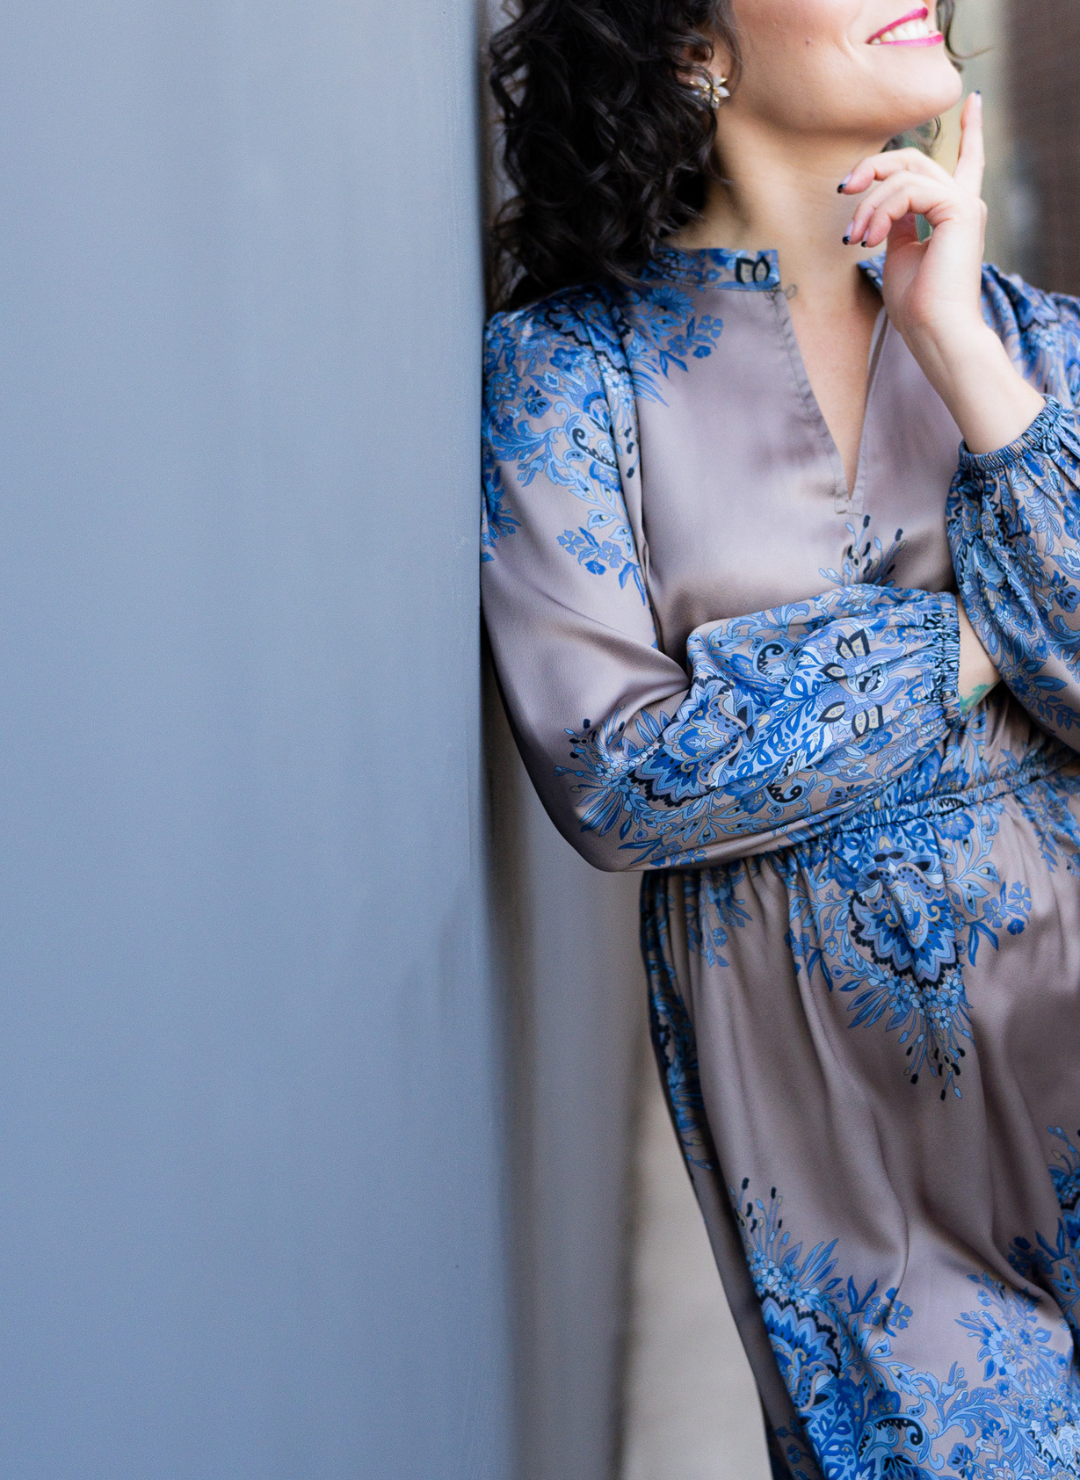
[863, 1414]
[674, 1042]
[889, 913]
[1014, 525]
[810, 778]
[547, 370]
[886, 913]
[1053, 1262]
[788, 718]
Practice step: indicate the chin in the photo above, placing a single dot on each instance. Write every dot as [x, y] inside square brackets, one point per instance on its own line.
[864, 103]
[911, 102]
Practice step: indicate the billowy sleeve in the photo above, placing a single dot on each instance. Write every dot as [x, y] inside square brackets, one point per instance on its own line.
[779, 721]
[1014, 528]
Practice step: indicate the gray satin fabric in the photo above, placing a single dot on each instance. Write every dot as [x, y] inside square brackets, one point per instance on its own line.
[746, 505]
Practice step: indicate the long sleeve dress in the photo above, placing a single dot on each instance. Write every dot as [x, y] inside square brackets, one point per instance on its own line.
[860, 909]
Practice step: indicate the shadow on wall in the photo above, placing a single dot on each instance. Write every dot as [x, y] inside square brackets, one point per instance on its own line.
[567, 957]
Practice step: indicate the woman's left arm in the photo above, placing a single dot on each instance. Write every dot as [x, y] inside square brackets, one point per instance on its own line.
[1014, 529]
[1014, 510]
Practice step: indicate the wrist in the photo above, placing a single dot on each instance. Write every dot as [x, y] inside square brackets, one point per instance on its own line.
[970, 368]
[955, 349]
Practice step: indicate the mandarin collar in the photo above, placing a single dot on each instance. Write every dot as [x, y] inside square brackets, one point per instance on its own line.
[746, 271]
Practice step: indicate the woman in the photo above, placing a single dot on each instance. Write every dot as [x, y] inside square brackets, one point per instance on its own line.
[750, 606]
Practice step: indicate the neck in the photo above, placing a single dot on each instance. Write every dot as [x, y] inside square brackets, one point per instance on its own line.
[780, 192]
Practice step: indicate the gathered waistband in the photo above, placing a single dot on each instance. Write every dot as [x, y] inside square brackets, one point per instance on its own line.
[885, 808]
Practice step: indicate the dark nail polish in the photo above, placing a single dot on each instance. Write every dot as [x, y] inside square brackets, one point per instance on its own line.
[863, 243]
[840, 187]
[847, 241]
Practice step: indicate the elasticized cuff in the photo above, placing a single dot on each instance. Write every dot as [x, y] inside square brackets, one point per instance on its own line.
[1039, 437]
[946, 678]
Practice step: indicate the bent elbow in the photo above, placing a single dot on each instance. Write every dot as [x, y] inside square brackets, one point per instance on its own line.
[604, 851]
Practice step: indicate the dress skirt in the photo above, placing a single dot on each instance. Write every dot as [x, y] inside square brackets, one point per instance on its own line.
[870, 1044]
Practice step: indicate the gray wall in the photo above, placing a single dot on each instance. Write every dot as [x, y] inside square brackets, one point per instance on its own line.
[250, 1217]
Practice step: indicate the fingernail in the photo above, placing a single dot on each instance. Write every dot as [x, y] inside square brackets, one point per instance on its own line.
[843, 182]
[850, 228]
[864, 242]
[847, 241]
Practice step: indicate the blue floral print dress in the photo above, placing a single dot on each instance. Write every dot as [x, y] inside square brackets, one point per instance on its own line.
[860, 909]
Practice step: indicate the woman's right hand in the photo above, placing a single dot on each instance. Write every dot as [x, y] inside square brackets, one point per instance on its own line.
[977, 675]
[932, 287]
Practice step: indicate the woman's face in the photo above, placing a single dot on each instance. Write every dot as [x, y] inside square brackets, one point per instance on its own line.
[860, 68]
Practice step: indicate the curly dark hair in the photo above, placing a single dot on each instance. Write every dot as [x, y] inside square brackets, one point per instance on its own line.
[606, 143]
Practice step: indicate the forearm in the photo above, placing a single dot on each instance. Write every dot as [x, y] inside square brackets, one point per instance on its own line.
[971, 371]
[794, 715]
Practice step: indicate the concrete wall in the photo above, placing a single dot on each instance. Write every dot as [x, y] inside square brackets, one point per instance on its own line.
[250, 1197]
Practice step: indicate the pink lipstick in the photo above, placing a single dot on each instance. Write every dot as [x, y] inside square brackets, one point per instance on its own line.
[912, 29]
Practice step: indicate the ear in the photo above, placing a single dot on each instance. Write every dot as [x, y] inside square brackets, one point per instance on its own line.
[716, 55]
[709, 75]
[723, 58]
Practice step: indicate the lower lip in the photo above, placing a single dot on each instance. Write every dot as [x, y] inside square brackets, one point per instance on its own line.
[915, 41]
